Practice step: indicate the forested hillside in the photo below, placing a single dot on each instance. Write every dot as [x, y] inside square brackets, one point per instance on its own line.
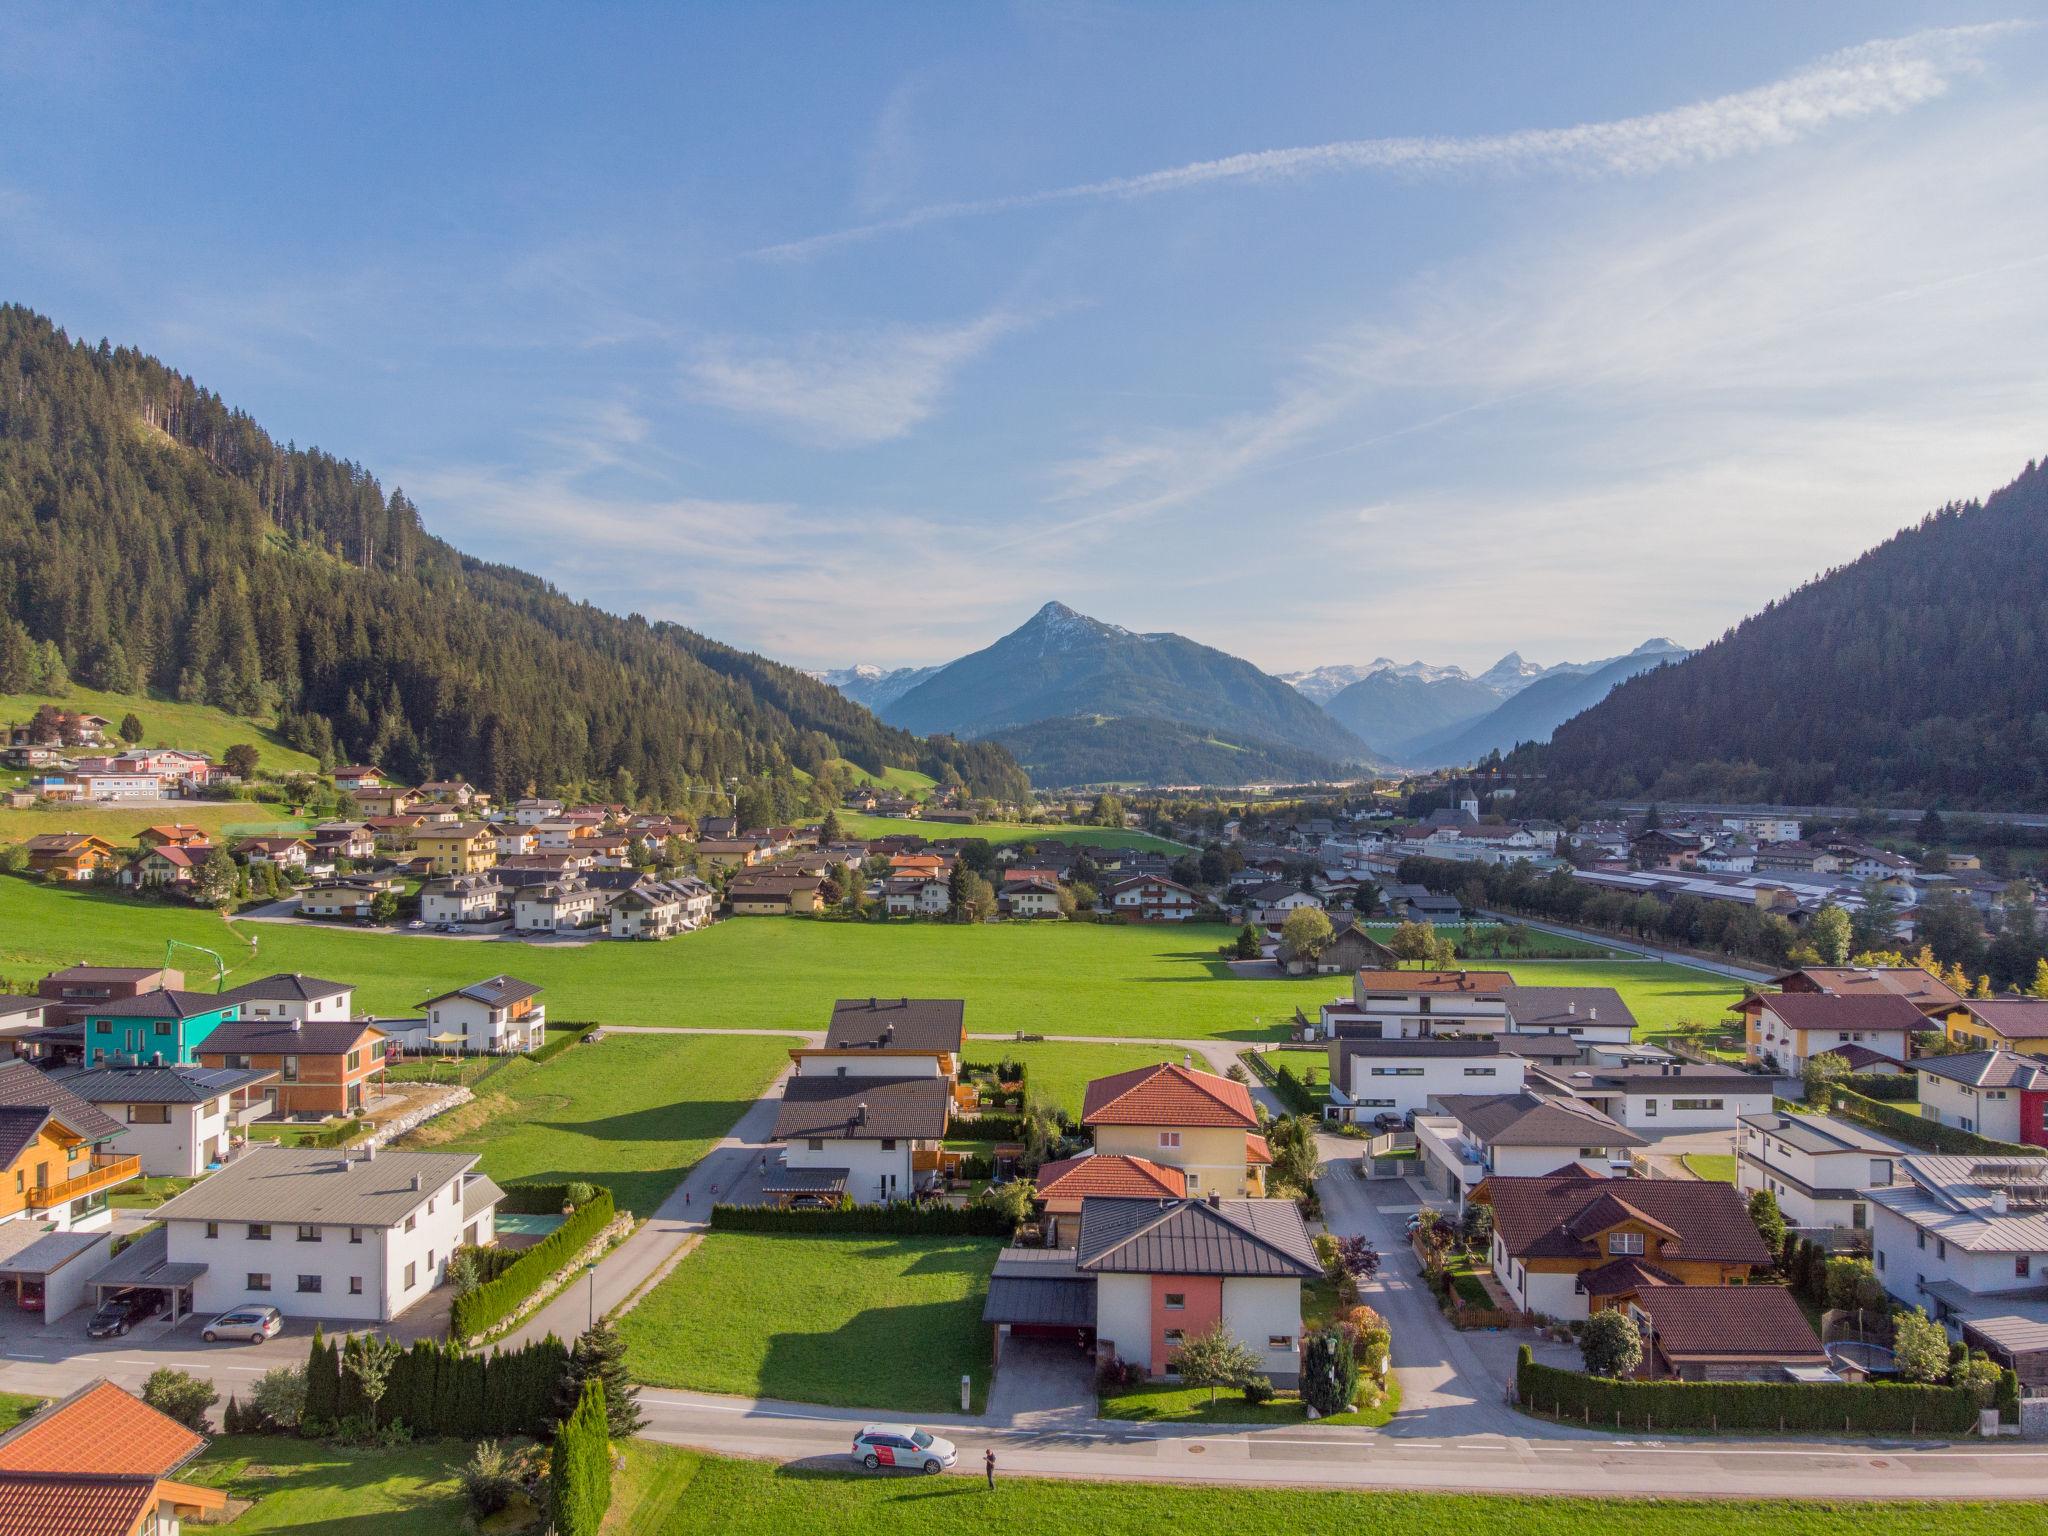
[1096, 749]
[159, 540]
[1918, 673]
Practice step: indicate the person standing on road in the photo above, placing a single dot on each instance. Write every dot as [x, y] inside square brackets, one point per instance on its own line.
[988, 1461]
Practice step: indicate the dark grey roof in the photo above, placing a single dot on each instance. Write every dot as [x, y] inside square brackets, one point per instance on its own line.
[285, 987]
[480, 1192]
[1192, 1237]
[1535, 1120]
[1987, 1069]
[163, 1085]
[1539, 1047]
[905, 1023]
[498, 992]
[805, 1181]
[912, 1108]
[104, 973]
[51, 1251]
[1685, 1075]
[15, 1002]
[284, 1037]
[146, 1261]
[313, 1185]
[27, 1093]
[1368, 1046]
[1048, 1303]
[155, 1005]
[1562, 1007]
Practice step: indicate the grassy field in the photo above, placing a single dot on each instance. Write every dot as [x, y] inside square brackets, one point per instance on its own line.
[999, 832]
[849, 1321]
[1060, 1072]
[1711, 1167]
[672, 1492]
[633, 1113]
[14, 1407]
[302, 1485]
[165, 723]
[783, 973]
[907, 781]
[118, 824]
[1159, 1403]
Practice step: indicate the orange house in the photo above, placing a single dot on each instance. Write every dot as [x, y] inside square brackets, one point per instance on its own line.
[323, 1066]
[55, 1163]
[99, 1464]
[70, 855]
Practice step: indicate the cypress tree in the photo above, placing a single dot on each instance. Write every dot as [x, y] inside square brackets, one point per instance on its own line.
[323, 1381]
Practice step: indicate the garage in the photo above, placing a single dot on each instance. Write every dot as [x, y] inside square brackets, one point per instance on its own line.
[144, 1265]
[53, 1274]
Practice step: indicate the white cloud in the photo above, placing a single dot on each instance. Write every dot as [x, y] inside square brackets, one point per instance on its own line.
[848, 388]
[1879, 78]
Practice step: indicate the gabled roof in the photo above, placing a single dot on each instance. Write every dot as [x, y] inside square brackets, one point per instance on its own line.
[1536, 1120]
[1620, 1276]
[863, 1108]
[900, 1023]
[1739, 1322]
[286, 987]
[1195, 1237]
[498, 992]
[2016, 1018]
[1547, 1216]
[1103, 1173]
[1567, 1007]
[99, 1431]
[286, 1037]
[29, 1099]
[1907, 981]
[1169, 1095]
[1987, 1069]
[160, 1004]
[1869, 1010]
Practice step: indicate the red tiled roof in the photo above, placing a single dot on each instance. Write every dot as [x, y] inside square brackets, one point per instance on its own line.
[1167, 1095]
[1255, 1149]
[1622, 1276]
[1104, 1173]
[100, 1431]
[1744, 1322]
[35, 1505]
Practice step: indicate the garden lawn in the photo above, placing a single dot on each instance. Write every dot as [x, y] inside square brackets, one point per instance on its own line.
[1160, 1403]
[118, 824]
[302, 1485]
[14, 1407]
[633, 1112]
[1713, 1167]
[667, 1491]
[858, 824]
[148, 1192]
[1059, 1071]
[890, 1323]
[1160, 982]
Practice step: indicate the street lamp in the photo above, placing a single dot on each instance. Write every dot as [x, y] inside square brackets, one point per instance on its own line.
[591, 1271]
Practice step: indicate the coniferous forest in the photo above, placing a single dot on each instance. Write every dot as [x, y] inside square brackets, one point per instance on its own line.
[1915, 675]
[153, 539]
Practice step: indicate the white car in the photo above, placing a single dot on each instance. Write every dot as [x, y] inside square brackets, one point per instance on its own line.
[252, 1323]
[902, 1445]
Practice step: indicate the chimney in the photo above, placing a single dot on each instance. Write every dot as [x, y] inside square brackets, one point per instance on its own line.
[1592, 1013]
[1215, 1201]
[370, 1153]
[860, 1115]
[1572, 1007]
[295, 1026]
[415, 1184]
[1187, 1059]
[2001, 1203]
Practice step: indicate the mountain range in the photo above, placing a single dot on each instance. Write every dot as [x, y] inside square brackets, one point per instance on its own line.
[871, 686]
[1912, 675]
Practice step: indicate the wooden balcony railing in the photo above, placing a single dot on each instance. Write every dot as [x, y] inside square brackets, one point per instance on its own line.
[104, 1173]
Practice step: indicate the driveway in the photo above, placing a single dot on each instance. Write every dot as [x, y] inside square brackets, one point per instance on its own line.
[1042, 1382]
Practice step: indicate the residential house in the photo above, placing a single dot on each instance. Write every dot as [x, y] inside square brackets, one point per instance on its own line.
[1764, 827]
[1415, 1004]
[1720, 1332]
[1591, 1015]
[1270, 905]
[1166, 1270]
[326, 1067]
[870, 1139]
[532, 812]
[762, 894]
[498, 1015]
[338, 898]
[76, 987]
[69, 855]
[1930, 994]
[290, 855]
[1966, 1238]
[57, 1161]
[1662, 1096]
[179, 1121]
[699, 900]
[2016, 1024]
[1200, 1123]
[728, 852]
[463, 899]
[1352, 949]
[457, 847]
[1370, 1077]
[1032, 898]
[173, 835]
[454, 791]
[115, 785]
[1796, 858]
[1782, 1031]
[316, 1233]
[916, 896]
[557, 906]
[101, 1463]
[648, 910]
[1153, 899]
[1658, 848]
[20, 1019]
[889, 1037]
[1818, 1168]
[171, 864]
[513, 839]
[1566, 1244]
[1062, 1186]
[1999, 1094]
[1472, 1136]
[358, 776]
[155, 1028]
[293, 995]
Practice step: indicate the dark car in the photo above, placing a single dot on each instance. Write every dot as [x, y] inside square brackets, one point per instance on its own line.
[117, 1315]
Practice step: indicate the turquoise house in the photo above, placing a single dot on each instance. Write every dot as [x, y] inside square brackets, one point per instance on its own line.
[167, 1025]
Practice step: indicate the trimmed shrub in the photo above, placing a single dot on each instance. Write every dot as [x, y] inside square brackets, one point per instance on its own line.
[898, 1220]
[1889, 1086]
[498, 1298]
[580, 1468]
[439, 1388]
[556, 1043]
[1918, 1130]
[534, 1199]
[1871, 1408]
[988, 1127]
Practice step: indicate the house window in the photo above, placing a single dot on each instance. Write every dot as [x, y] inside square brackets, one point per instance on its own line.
[412, 1272]
[355, 1234]
[163, 1027]
[309, 1285]
[1919, 1238]
[213, 1229]
[258, 1281]
[355, 1285]
[1397, 1071]
[815, 1144]
[309, 1234]
[259, 1231]
[2023, 1265]
[888, 1143]
[1940, 1248]
[1176, 1300]
[1280, 1343]
[1481, 1072]
[412, 1221]
[1169, 1138]
[1174, 1338]
[430, 1205]
[289, 1065]
[1624, 1242]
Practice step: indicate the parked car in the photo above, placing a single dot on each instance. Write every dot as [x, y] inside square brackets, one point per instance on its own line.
[252, 1323]
[31, 1295]
[1386, 1120]
[902, 1445]
[119, 1313]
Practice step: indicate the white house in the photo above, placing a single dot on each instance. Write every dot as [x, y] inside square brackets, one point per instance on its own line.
[1819, 1169]
[558, 906]
[340, 900]
[1590, 1015]
[1999, 1094]
[531, 813]
[1477, 1135]
[873, 1139]
[177, 1120]
[498, 1015]
[1033, 898]
[1154, 899]
[315, 1233]
[291, 995]
[1671, 1096]
[912, 896]
[649, 910]
[463, 899]
[1784, 1030]
[1764, 827]
[1375, 1077]
[1270, 904]
[1415, 1004]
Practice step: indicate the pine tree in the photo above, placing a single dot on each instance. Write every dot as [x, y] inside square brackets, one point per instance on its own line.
[602, 1353]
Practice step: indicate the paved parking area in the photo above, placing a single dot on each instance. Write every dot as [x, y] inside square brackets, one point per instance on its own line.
[1042, 1380]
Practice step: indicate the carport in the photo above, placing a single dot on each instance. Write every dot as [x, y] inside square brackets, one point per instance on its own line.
[144, 1265]
[62, 1263]
[791, 1186]
[1037, 1293]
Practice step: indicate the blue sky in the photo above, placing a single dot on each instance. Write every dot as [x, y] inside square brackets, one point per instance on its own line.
[1316, 332]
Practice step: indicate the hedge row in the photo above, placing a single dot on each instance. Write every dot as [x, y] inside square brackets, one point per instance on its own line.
[1919, 1130]
[438, 1389]
[580, 1466]
[900, 1219]
[987, 1127]
[1289, 1089]
[1891, 1086]
[1875, 1407]
[534, 1199]
[559, 1040]
[495, 1300]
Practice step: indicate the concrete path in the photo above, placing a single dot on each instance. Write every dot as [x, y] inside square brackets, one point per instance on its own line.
[1729, 968]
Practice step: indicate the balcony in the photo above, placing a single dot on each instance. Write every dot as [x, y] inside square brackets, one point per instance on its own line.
[935, 1160]
[104, 1173]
